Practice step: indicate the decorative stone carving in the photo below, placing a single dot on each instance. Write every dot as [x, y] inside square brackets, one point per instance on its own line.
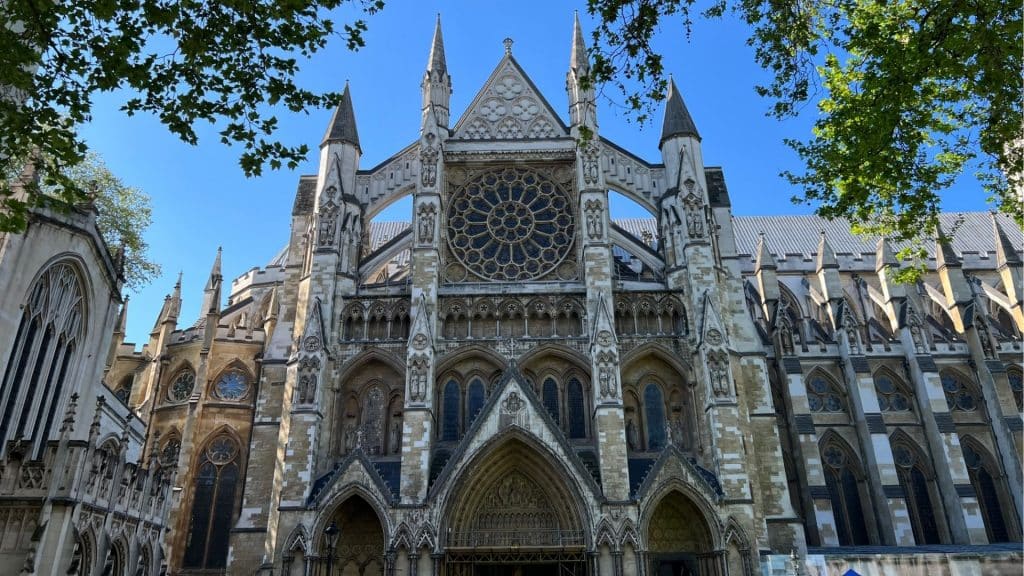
[694, 216]
[632, 436]
[595, 226]
[312, 344]
[508, 108]
[606, 368]
[306, 384]
[714, 337]
[419, 368]
[428, 161]
[718, 373]
[395, 436]
[984, 336]
[328, 226]
[513, 403]
[914, 324]
[591, 154]
[425, 218]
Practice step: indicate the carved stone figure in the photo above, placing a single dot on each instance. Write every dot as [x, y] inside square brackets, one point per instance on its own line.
[718, 372]
[591, 165]
[595, 228]
[632, 437]
[350, 437]
[395, 436]
[418, 378]
[786, 339]
[985, 337]
[328, 224]
[428, 162]
[694, 222]
[425, 223]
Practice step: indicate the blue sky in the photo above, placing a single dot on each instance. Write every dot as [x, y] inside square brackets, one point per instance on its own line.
[201, 200]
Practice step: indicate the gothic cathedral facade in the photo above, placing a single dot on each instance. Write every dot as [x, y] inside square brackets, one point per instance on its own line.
[516, 383]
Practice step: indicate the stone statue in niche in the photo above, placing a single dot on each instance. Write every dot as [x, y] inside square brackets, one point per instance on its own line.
[595, 228]
[678, 436]
[591, 167]
[918, 338]
[395, 435]
[632, 436]
[425, 223]
[418, 378]
[606, 375]
[851, 336]
[786, 339]
[350, 437]
[718, 372]
[984, 336]
[694, 222]
[328, 224]
[307, 388]
[428, 161]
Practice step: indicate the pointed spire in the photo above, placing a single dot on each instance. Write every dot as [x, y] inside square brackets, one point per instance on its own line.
[343, 124]
[826, 255]
[436, 61]
[215, 276]
[1006, 252]
[578, 60]
[765, 260]
[211, 295]
[678, 121]
[944, 254]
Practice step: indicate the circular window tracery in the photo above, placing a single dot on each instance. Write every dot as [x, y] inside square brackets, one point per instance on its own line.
[232, 385]
[510, 224]
[182, 386]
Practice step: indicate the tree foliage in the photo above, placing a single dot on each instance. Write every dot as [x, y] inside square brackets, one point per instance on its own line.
[910, 95]
[123, 213]
[228, 63]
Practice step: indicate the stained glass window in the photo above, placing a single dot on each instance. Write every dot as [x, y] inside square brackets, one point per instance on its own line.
[960, 397]
[654, 410]
[549, 393]
[213, 505]
[892, 397]
[476, 398]
[577, 410]
[124, 390]
[915, 488]
[844, 494]
[824, 396]
[988, 495]
[169, 452]
[181, 386]
[510, 224]
[451, 402]
[232, 385]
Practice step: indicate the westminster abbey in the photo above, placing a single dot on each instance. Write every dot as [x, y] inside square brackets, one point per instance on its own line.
[514, 383]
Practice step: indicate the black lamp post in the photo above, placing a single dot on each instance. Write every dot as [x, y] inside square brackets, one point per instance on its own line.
[331, 532]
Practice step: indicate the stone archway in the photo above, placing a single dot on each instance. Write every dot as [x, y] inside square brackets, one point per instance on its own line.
[514, 513]
[359, 545]
[679, 540]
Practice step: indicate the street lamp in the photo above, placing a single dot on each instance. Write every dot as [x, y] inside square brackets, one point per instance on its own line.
[331, 532]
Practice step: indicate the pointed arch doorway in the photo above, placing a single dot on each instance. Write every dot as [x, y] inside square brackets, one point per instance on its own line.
[513, 513]
[679, 541]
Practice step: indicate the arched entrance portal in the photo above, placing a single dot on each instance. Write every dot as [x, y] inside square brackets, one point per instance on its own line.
[352, 543]
[513, 514]
[679, 541]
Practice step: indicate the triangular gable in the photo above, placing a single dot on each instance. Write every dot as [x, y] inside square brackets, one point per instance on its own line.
[710, 323]
[355, 469]
[509, 107]
[673, 465]
[512, 407]
[313, 334]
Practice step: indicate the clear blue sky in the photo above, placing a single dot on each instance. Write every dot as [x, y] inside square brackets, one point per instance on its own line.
[201, 200]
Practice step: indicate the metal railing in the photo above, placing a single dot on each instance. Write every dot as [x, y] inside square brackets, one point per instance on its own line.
[515, 538]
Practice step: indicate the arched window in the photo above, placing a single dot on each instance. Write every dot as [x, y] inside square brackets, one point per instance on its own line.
[824, 396]
[450, 407]
[1016, 380]
[213, 505]
[231, 385]
[910, 468]
[986, 487]
[476, 397]
[654, 414]
[577, 411]
[549, 393]
[892, 394]
[41, 358]
[961, 396]
[182, 385]
[844, 493]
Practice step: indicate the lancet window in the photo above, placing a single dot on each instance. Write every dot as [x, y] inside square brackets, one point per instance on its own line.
[213, 504]
[43, 355]
[824, 395]
[916, 479]
[654, 411]
[984, 476]
[1016, 380]
[842, 478]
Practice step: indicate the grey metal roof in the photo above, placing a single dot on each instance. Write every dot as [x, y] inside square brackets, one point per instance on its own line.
[798, 235]
[343, 124]
[304, 196]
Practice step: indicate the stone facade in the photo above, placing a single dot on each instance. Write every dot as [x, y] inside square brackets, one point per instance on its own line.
[516, 383]
[77, 495]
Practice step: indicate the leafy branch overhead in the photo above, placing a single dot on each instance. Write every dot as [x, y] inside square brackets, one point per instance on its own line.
[229, 64]
[911, 94]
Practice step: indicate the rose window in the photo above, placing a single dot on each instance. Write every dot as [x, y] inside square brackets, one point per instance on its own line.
[510, 224]
[232, 386]
[182, 386]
